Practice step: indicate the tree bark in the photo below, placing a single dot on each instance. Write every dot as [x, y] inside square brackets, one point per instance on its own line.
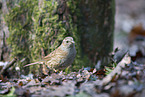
[4, 51]
[96, 28]
[90, 22]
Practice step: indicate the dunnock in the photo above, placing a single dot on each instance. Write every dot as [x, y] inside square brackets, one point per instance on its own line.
[61, 57]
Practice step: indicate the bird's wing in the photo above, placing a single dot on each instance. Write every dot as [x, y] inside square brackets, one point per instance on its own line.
[56, 58]
[51, 55]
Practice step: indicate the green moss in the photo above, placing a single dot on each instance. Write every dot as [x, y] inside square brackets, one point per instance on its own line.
[34, 28]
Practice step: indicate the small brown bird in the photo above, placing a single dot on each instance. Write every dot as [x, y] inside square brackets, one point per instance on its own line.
[61, 57]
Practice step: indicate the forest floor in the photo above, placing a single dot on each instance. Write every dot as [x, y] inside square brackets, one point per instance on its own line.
[126, 78]
[123, 79]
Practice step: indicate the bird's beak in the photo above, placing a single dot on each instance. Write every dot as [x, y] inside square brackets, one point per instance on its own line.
[72, 41]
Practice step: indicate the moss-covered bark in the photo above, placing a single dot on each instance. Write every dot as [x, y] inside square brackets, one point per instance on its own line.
[37, 27]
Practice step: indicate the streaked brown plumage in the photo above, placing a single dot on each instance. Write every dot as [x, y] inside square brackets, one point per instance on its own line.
[61, 57]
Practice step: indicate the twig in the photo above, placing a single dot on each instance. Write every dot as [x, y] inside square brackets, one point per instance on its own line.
[117, 70]
[8, 66]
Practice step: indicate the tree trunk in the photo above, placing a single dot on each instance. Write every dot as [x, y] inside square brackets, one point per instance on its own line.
[4, 51]
[43, 24]
[96, 27]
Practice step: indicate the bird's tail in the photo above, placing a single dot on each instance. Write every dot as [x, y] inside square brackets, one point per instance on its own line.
[34, 63]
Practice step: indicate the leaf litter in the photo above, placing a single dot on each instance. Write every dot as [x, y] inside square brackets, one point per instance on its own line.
[125, 80]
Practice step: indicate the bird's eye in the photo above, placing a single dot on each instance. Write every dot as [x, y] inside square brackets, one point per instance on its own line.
[67, 41]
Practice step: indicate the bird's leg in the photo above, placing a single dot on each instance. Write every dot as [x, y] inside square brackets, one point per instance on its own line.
[48, 70]
[56, 71]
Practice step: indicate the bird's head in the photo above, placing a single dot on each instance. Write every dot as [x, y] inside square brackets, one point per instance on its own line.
[68, 42]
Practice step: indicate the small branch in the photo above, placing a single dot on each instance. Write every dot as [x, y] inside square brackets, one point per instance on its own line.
[117, 71]
[8, 66]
